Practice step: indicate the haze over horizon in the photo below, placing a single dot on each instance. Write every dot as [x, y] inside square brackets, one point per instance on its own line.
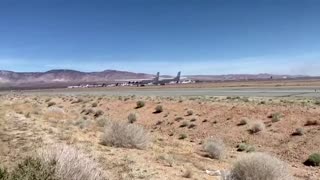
[195, 37]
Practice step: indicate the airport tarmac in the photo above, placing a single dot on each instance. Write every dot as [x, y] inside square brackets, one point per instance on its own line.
[163, 91]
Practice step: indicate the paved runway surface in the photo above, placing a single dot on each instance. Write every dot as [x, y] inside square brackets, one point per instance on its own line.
[254, 92]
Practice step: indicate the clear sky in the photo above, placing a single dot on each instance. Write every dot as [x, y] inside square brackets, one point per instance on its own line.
[194, 36]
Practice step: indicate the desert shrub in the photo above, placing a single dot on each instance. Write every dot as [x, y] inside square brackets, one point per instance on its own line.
[192, 125]
[298, 132]
[313, 160]
[158, 109]
[243, 122]
[317, 102]
[98, 113]
[102, 122]
[275, 117]
[82, 123]
[69, 163]
[245, 99]
[214, 147]
[51, 104]
[4, 175]
[183, 136]
[193, 120]
[262, 102]
[311, 123]
[189, 112]
[33, 168]
[125, 135]
[257, 127]
[132, 118]
[245, 147]
[140, 104]
[77, 101]
[184, 124]
[94, 104]
[88, 111]
[187, 174]
[28, 115]
[178, 119]
[259, 166]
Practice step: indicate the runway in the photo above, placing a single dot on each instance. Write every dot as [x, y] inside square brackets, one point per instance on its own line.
[163, 91]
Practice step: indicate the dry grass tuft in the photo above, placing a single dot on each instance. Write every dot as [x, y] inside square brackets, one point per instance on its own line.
[243, 122]
[259, 166]
[187, 174]
[140, 104]
[257, 127]
[120, 134]
[311, 123]
[189, 112]
[214, 147]
[158, 109]
[70, 163]
[32, 168]
[132, 118]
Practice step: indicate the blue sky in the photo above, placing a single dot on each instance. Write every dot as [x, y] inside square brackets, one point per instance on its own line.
[194, 36]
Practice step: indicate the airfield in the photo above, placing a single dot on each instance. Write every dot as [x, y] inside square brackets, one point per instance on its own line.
[276, 88]
[247, 92]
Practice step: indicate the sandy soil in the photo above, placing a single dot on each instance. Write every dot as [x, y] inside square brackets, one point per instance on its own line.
[27, 123]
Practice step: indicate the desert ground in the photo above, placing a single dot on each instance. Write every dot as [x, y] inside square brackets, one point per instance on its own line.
[31, 121]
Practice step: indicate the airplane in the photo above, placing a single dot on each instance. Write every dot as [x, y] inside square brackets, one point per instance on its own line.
[168, 81]
[151, 81]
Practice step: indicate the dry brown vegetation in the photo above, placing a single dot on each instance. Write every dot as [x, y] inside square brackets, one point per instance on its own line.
[259, 166]
[168, 145]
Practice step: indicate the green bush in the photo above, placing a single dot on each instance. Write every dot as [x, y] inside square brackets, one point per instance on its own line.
[140, 104]
[313, 160]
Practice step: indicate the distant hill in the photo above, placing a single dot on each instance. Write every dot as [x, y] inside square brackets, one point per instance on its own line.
[63, 77]
[241, 77]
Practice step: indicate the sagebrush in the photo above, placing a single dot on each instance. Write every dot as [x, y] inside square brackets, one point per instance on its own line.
[126, 135]
[70, 163]
[214, 147]
[259, 166]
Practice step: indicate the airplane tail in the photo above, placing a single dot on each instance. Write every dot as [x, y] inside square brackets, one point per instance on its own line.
[177, 79]
[156, 79]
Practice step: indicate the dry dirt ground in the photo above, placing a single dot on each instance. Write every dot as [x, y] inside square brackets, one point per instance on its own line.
[27, 123]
